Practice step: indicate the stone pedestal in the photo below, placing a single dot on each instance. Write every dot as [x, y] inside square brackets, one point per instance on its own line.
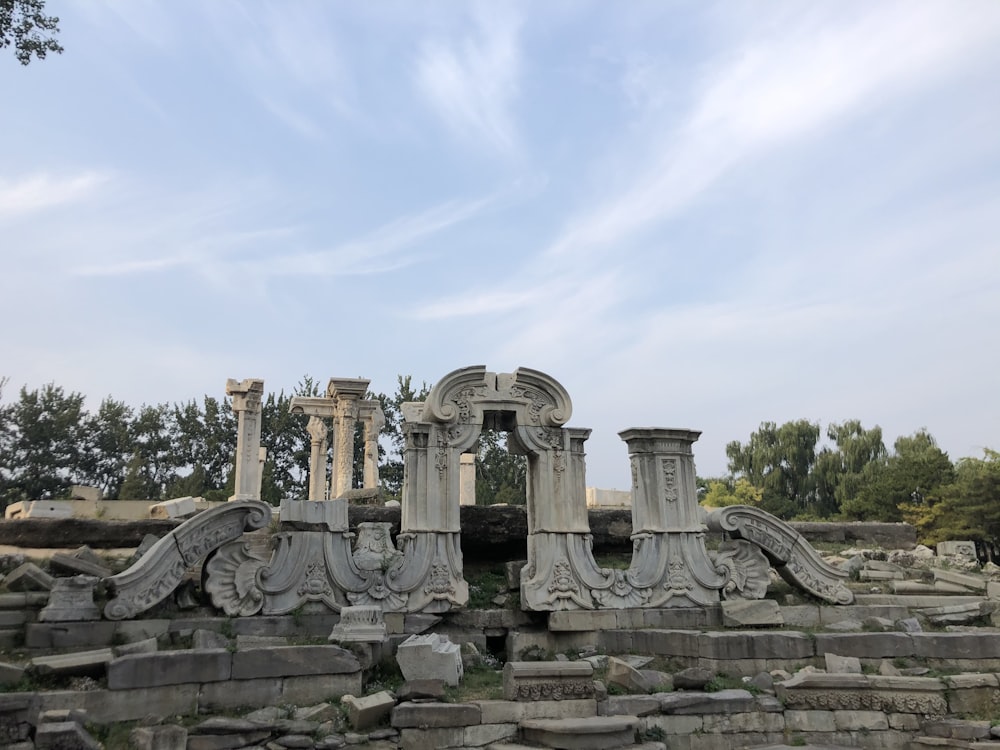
[669, 559]
[71, 599]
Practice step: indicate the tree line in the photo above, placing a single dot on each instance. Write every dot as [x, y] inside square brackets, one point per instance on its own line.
[50, 442]
[783, 470]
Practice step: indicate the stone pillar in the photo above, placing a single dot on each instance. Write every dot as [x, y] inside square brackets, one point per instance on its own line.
[667, 530]
[347, 392]
[374, 421]
[467, 479]
[317, 457]
[247, 396]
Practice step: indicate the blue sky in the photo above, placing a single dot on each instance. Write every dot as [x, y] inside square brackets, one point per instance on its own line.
[691, 214]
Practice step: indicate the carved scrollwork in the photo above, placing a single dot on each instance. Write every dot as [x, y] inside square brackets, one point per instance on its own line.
[231, 579]
[156, 574]
[746, 569]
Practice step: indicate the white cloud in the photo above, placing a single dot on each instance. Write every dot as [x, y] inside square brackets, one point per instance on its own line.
[43, 191]
[472, 82]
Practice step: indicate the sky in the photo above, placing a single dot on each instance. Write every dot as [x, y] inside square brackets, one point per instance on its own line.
[691, 214]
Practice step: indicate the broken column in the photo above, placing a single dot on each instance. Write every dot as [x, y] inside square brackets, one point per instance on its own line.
[347, 392]
[373, 420]
[318, 433]
[247, 395]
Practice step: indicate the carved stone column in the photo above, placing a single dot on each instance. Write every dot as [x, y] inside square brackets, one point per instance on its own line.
[373, 420]
[247, 396]
[670, 560]
[318, 432]
[347, 392]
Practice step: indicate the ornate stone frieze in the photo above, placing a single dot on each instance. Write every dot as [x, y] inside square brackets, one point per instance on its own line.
[157, 573]
[787, 550]
[840, 692]
[556, 690]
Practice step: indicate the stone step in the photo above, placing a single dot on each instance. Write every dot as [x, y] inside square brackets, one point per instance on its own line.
[594, 733]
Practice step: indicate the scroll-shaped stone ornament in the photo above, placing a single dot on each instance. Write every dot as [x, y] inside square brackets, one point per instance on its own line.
[787, 550]
[157, 573]
[232, 579]
[746, 569]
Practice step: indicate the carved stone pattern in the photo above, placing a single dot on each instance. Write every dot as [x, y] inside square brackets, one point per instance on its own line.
[635, 475]
[315, 584]
[537, 399]
[670, 480]
[463, 400]
[776, 545]
[562, 578]
[439, 580]
[441, 456]
[832, 591]
[746, 570]
[864, 700]
[556, 690]
[139, 601]
[678, 578]
[194, 546]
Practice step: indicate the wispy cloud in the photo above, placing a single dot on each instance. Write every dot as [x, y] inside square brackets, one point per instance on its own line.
[821, 70]
[471, 82]
[42, 191]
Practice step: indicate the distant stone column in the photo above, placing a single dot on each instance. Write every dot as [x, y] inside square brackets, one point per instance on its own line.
[467, 479]
[318, 432]
[247, 395]
[374, 421]
[347, 392]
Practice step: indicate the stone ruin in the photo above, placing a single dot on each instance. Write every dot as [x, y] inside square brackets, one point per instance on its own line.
[370, 595]
[321, 561]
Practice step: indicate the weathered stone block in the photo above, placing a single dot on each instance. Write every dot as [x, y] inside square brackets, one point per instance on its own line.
[430, 656]
[69, 635]
[723, 701]
[836, 664]
[286, 661]
[678, 725]
[78, 663]
[163, 737]
[308, 689]
[866, 721]
[629, 705]
[809, 721]
[485, 734]
[741, 613]
[180, 507]
[232, 694]
[504, 712]
[369, 710]
[109, 706]
[64, 734]
[744, 722]
[977, 646]
[169, 668]
[431, 739]
[28, 577]
[865, 645]
[78, 566]
[595, 733]
[436, 715]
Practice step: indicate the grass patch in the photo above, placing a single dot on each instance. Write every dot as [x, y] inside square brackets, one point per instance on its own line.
[385, 675]
[478, 684]
[484, 586]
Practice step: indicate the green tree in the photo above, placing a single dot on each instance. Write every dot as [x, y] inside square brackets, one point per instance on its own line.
[152, 465]
[24, 24]
[721, 493]
[501, 476]
[286, 469]
[107, 447]
[913, 474]
[779, 461]
[967, 508]
[204, 445]
[391, 458]
[41, 454]
[838, 473]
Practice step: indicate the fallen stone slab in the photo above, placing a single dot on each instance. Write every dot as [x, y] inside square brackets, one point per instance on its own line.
[28, 577]
[287, 661]
[733, 700]
[595, 733]
[430, 656]
[76, 664]
[169, 668]
[62, 735]
[78, 566]
[626, 677]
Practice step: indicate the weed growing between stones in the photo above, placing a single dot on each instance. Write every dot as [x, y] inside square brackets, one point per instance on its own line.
[478, 683]
[385, 675]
